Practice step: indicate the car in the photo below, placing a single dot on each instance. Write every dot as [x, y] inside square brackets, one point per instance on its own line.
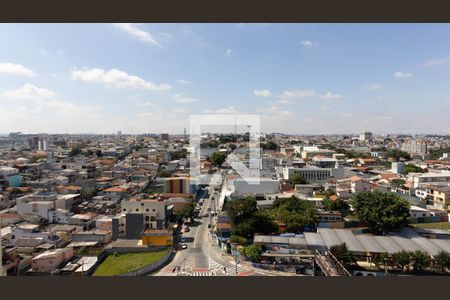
[184, 246]
[209, 225]
[183, 239]
[186, 229]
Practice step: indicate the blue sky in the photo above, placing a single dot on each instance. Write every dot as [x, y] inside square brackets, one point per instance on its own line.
[301, 78]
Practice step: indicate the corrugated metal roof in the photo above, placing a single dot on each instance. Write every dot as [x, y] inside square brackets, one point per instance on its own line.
[389, 245]
[350, 240]
[406, 243]
[329, 236]
[370, 243]
[314, 240]
[443, 244]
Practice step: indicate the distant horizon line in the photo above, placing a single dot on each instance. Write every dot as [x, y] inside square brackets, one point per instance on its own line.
[232, 133]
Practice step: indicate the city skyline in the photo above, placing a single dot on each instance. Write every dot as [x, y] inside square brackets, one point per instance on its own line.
[301, 79]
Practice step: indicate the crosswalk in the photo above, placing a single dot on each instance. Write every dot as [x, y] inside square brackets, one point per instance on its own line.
[214, 269]
[213, 265]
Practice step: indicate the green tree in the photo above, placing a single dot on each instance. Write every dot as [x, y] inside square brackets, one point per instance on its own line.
[232, 147]
[242, 209]
[339, 205]
[252, 252]
[164, 173]
[412, 168]
[398, 183]
[442, 261]
[381, 212]
[186, 212]
[269, 146]
[295, 213]
[342, 254]
[246, 219]
[398, 154]
[419, 260]
[217, 158]
[402, 259]
[297, 179]
[75, 151]
[236, 239]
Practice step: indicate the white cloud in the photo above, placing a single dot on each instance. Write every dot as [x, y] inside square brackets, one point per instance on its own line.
[309, 44]
[296, 94]
[28, 92]
[179, 111]
[228, 52]
[262, 93]
[15, 69]
[437, 61]
[117, 79]
[347, 115]
[227, 110]
[330, 96]
[181, 99]
[196, 39]
[399, 74]
[147, 104]
[138, 33]
[182, 81]
[373, 86]
[325, 107]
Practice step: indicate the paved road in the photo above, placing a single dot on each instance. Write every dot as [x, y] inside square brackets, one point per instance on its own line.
[200, 259]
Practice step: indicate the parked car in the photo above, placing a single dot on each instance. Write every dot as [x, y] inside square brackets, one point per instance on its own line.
[184, 246]
[186, 229]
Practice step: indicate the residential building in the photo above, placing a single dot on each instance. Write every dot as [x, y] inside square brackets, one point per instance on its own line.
[441, 198]
[415, 147]
[12, 176]
[49, 261]
[365, 136]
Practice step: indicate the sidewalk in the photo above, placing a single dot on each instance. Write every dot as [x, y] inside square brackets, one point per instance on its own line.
[245, 265]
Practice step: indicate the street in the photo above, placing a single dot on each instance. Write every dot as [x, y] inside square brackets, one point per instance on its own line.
[201, 258]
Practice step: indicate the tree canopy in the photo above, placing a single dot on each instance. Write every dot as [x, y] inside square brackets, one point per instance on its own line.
[297, 179]
[381, 212]
[295, 213]
[398, 154]
[412, 168]
[217, 158]
[187, 211]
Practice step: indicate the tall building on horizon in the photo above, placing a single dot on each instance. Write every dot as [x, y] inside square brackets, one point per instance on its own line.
[365, 136]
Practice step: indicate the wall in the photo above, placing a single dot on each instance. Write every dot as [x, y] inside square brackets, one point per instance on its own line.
[151, 267]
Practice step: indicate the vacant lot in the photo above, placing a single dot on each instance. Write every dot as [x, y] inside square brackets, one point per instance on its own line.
[127, 262]
[440, 225]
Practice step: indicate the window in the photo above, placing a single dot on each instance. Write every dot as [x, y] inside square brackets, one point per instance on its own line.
[147, 209]
[137, 209]
[147, 218]
[153, 209]
[124, 209]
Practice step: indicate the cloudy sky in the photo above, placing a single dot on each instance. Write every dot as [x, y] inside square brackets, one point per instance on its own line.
[300, 78]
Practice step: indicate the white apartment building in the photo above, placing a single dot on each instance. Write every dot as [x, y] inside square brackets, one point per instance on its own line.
[153, 211]
[313, 173]
[365, 136]
[419, 179]
[415, 147]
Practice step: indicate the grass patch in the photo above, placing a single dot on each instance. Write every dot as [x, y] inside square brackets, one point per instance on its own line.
[127, 262]
[439, 225]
